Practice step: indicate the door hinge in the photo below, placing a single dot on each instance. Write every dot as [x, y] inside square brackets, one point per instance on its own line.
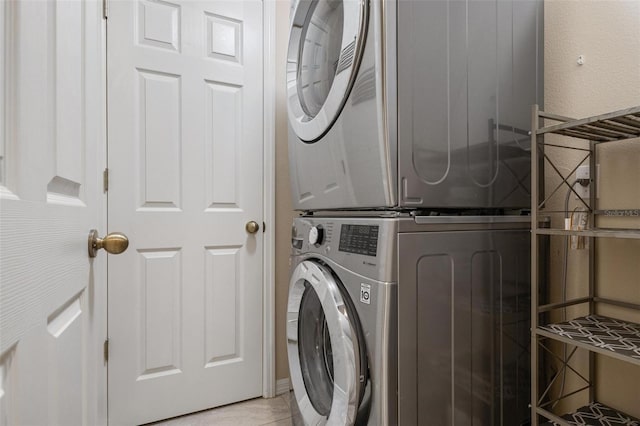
[105, 9]
[105, 350]
[105, 180]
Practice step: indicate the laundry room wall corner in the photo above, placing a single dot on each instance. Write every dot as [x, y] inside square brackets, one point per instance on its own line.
[607, 37]
[284, 211]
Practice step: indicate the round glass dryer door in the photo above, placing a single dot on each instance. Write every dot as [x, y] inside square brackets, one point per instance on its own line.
[327, 357]
[325, 47]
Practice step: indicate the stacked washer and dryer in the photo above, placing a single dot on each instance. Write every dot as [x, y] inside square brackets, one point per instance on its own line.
[409, 158]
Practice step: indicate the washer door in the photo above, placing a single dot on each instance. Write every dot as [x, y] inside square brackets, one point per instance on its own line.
[326, 359]
[325, 47]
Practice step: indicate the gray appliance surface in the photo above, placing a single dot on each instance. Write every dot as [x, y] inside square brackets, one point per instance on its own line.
[464, 309]
[468, 73]
[447, 344]
[438, 114]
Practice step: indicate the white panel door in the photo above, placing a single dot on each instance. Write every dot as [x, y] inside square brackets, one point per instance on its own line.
[185, 158]
[52, 295]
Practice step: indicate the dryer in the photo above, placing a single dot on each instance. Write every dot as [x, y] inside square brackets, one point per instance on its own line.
[400, 104]
[410, 320]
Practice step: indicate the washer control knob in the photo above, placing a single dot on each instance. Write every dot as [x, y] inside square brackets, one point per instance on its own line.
[316, 235]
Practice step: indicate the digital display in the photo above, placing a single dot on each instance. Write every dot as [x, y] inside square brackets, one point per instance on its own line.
[359, 239]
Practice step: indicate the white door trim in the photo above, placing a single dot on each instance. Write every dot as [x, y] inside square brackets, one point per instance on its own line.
[269, 90]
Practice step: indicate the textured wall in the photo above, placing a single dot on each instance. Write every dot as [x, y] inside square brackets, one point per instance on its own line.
[284, 215]
[607, 34]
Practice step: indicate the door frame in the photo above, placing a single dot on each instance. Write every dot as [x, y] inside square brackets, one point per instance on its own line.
[269, 194]
[101, 276]
[269, 110]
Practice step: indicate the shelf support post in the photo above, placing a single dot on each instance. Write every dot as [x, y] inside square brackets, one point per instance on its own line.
[535, 156]
[593, 161]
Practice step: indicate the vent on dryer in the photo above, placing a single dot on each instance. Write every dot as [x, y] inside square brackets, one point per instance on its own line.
[346, 57]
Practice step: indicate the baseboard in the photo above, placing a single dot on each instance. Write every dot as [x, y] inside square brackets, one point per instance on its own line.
[283, 386]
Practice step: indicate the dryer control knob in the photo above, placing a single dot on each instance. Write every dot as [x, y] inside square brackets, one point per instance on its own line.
[316, 235]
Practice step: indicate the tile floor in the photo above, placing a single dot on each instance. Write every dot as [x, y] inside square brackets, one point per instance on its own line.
[254, 412]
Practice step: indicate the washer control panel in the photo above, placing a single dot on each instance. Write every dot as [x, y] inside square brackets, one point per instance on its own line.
[363, 245]
[359, 239]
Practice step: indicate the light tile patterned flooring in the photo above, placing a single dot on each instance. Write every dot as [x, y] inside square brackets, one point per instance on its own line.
[254, 412]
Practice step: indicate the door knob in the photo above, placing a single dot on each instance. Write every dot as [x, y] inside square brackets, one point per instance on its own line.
[252, 227]
[114, 243]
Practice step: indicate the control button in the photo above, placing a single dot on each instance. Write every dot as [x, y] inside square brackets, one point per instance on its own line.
[316, 235]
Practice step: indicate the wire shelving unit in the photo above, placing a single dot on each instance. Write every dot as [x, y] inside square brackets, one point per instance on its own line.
[594, 333]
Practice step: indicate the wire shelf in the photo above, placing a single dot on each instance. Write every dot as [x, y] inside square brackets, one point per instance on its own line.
[601, 232]
[615, 126]
[608, 336]
[597, 414]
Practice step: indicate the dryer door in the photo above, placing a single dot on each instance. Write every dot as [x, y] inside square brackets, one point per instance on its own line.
[325, 47]
[327, 359]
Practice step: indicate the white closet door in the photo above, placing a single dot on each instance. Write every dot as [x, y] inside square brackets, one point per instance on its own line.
[185, 158]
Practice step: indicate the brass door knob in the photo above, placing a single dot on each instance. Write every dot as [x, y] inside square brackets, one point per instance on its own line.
[252, 227]
[114, 243]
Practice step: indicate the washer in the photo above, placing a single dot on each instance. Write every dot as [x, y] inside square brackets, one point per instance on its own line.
[341, 324]
[452, 292]
[412, 104]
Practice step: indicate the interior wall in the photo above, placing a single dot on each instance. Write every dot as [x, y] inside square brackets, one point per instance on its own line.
[607, 35]
[284, 214]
